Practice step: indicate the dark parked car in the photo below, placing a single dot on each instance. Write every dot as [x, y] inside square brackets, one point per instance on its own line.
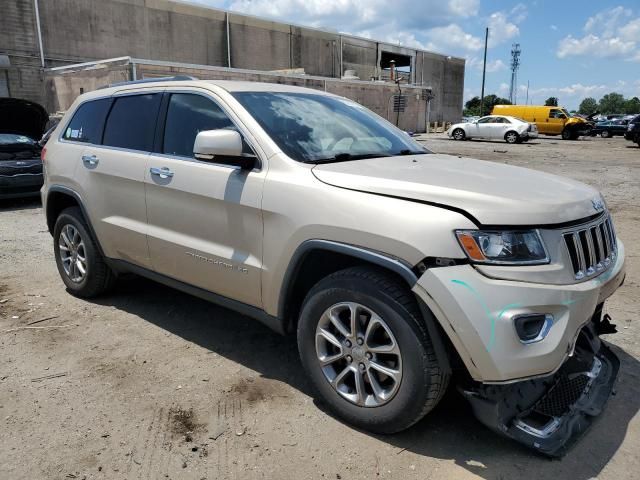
[633, 130]
[610, 128]
[21, 126]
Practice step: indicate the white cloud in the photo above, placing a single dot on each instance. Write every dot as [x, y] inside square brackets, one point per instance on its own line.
[612, 33]
[554, 27]
[501, 29]
[453, 36]
[594, 45]
[492, 65]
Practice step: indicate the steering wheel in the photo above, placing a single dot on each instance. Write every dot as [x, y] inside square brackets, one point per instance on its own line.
[333, 144]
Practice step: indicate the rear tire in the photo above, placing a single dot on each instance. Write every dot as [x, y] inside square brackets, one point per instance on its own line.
[80, 264]
[512, 137]
[605, 134]
[345, 370]
[458, 134]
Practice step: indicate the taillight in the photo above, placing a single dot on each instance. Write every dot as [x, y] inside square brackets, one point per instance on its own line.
[43, 154]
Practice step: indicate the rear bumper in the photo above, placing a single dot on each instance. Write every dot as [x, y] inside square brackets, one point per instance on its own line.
[550, 414]
[478, 313]
[22, 185]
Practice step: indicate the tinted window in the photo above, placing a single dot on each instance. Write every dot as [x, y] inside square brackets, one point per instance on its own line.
[486, 120]
[86, 124]
[187, 115]
[132, 122]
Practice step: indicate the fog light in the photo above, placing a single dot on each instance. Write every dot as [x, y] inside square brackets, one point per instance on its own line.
[532, 327]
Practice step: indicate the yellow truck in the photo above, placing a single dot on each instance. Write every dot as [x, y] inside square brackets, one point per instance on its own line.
[549, 120]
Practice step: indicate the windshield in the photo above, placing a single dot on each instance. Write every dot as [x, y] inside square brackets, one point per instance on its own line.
[318, 128]
[13, 138]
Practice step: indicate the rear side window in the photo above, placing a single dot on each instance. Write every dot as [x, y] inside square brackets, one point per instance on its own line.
[86, 124]
[132, 122]
[187, 115]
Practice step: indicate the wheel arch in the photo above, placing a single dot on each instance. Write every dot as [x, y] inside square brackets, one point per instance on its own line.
[315, 259]
[60, 198]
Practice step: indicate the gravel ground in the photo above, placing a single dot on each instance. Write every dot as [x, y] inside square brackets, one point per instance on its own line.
[151, 383]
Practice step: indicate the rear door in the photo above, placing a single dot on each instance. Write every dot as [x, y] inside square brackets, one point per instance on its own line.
[111, 176]
[205, 218]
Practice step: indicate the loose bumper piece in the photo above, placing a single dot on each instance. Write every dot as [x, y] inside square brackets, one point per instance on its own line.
[549, 414]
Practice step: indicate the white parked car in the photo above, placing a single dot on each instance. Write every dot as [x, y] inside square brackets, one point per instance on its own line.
[510, 129]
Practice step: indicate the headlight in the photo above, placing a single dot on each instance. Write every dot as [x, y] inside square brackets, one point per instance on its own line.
[517, 247]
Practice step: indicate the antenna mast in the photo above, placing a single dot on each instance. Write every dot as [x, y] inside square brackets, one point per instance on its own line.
[515, 64]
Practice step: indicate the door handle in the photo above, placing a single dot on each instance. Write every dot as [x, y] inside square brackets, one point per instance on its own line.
[90, 160]
[163, 172]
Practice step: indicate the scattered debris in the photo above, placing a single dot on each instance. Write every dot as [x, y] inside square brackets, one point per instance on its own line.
[4, 300]
[48, 377]
[501, 151]
[43, 320]
[241, 431]
[218, 431]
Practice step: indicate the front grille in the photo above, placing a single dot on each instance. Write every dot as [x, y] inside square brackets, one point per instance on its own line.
[13, 169]
[560, 397]
[592, 248]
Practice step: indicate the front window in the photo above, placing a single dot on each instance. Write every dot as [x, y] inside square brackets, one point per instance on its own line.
[317, 128]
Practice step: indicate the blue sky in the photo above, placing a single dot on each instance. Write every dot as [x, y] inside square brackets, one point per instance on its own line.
[570, 49]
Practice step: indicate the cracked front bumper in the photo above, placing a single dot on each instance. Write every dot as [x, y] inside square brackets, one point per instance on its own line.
[477, 313]
[550, 414]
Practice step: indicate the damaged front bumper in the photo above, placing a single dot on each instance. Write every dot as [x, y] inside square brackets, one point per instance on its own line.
[550, 413]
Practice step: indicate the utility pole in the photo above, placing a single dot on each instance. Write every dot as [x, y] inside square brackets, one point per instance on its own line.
[484, 71]
[527, 102]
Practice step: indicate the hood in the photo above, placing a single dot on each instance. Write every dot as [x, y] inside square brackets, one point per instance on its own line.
[493, 193]
[22, 117]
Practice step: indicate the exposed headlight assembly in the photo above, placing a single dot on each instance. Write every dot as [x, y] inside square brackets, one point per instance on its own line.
[515, 247]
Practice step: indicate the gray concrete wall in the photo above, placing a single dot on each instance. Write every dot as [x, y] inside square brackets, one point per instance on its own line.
[81, 30]
[64, 86]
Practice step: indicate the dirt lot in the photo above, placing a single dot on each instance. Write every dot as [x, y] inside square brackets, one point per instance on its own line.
[151, 383]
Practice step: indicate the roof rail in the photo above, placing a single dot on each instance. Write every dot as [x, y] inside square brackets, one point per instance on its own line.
[175, 78]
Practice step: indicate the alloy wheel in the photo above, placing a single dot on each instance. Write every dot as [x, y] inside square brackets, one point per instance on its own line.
[358, 354]
[73, 254]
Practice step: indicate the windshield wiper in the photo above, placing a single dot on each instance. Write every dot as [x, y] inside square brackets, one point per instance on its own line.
[344, 157]
[406, 151]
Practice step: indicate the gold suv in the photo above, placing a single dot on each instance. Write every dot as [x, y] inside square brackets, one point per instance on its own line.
[396, 268]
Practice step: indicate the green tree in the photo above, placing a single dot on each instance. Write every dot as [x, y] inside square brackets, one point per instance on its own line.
[472, 107]
[632, 106]
[612, 103]
[551, 102]
[588, 106]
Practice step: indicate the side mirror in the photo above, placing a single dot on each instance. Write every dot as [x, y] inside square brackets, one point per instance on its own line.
[222, 146]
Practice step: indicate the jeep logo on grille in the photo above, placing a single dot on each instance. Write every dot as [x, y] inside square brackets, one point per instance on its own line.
[598, 204]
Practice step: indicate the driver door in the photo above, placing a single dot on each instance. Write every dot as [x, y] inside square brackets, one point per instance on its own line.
[205, 218]
[483, 127]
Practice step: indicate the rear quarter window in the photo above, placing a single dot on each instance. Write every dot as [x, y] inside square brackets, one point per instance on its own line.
[88, 121]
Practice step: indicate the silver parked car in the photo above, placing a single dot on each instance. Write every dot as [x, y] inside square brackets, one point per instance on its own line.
[494, 127]
[397, 269]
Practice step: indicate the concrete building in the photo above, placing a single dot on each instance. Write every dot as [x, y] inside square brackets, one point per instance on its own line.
[37, 35]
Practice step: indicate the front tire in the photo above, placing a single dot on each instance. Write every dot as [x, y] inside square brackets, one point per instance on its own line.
[458, 134]
[605, 134]
[366, 349]
[566, 134]
[80, 264]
